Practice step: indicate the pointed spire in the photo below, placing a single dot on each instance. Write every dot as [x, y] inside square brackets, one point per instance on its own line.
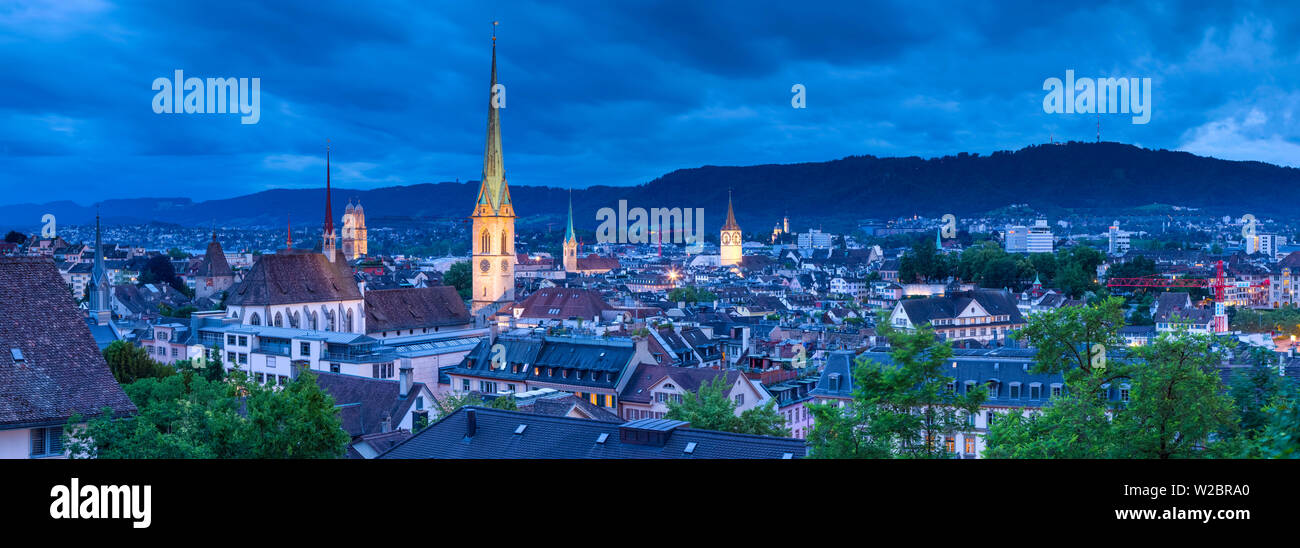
[288, 234]
[731, 216]
[214, 230]
[98, 290]
[569, 234]
[99, 249]
[492, 190]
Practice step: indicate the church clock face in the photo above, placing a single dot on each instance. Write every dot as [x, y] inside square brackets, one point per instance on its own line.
[726, 238]
[485, 265]
[505, 266]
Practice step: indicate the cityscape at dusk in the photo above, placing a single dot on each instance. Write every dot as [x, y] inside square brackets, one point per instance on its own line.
[833, 231]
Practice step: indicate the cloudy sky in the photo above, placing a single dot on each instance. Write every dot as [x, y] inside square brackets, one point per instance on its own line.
[602, 92]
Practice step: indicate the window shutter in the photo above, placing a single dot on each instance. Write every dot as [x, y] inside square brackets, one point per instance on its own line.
[38, 441]
[56, 440]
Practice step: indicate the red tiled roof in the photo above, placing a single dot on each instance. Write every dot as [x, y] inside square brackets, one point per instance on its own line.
[562, 303]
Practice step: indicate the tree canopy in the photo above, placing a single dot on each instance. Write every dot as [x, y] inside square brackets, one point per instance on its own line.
[709, 408]
[188, 416]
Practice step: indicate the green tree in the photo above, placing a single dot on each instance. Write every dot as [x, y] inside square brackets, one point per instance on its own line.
[1177, 402]
[188, 416]
[449, 404]
[1254, 389]
[901, 409]
[1075, 425]
[1176, 406]
[709, 408]
[460, 277]
[1077, 270]
[1280, 438]
[296, 422]
[923, 262]
[690, 295]
[15, 237]
[129, 362]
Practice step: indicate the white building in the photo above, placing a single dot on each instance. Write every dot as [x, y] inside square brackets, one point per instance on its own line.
[1119, 240]
[815, 239]
[1034, 239]
[1266, 244]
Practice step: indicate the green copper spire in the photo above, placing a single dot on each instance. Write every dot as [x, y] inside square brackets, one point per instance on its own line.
[569, 235]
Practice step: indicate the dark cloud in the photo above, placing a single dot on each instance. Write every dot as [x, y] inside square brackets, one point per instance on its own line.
[608, 93]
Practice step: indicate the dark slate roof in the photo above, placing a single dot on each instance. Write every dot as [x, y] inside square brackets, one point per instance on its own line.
[364, 402]
[688, 378]
[62, 371]
[414, 307]
[841, 364]
[378, 443]
[1175, 304]
[609, 359]
[294, 277]
[497, 435]
[995, 302]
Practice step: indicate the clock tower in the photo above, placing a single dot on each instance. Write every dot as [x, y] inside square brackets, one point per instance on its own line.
[493, 229]
[730, 239]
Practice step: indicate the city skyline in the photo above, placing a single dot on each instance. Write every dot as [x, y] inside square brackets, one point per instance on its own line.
[636, 95]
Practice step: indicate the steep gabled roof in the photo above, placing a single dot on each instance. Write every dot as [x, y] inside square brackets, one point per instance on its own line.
[61, 371]
[294, 277]
[364, 402]
[214, 263]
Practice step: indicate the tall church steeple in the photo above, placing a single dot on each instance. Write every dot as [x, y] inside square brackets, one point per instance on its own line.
[328, 239]
[494, 217]
[494, 194]
[570, 241]
[99, 287]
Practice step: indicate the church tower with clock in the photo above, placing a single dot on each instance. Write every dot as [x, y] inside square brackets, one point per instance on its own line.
[730, 238]
[493, 229]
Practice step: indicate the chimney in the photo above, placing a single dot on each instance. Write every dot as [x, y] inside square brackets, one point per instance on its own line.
[471, 422]
[386, 425]
[405, 376]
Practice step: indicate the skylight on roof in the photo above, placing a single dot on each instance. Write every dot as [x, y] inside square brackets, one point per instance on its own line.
[521, 429]
[17, 354]
[690, 448]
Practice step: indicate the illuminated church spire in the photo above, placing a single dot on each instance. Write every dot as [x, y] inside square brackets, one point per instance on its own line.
[493, 228]
[570, 241]
[731, 216]
[493, 191]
